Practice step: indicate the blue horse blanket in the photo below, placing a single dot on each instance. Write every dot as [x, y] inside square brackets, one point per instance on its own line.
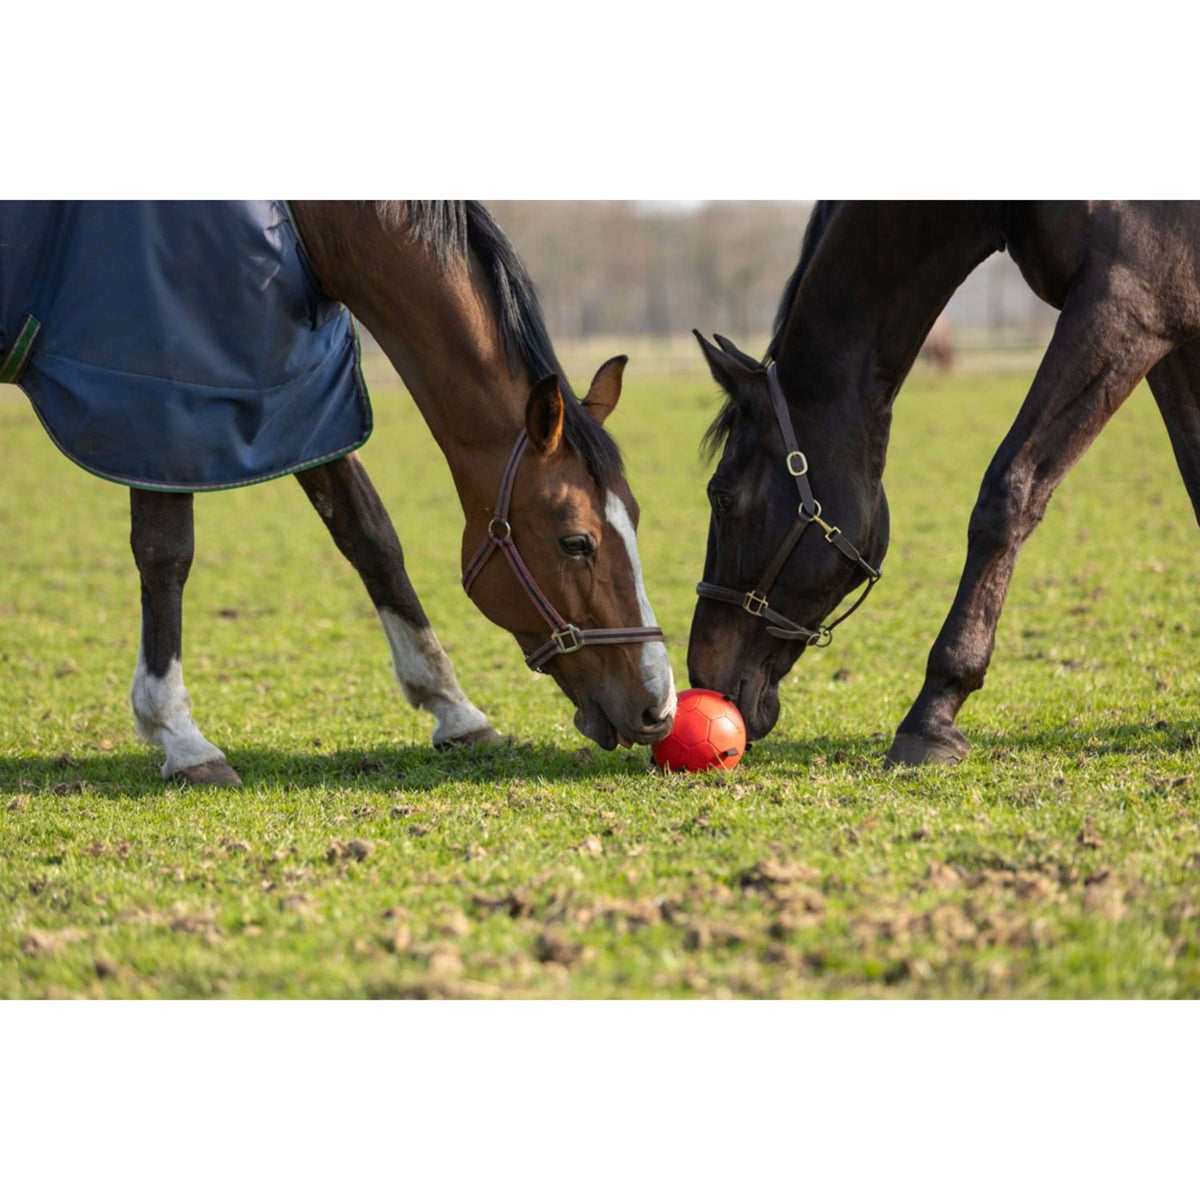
[177, 345]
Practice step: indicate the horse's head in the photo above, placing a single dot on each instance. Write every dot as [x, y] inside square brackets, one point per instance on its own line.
[755, 510]
[572, 520]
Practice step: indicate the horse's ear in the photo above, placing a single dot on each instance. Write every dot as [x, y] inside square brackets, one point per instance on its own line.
[544, 416]
[734, 352]
[727, 370]
[605, 391]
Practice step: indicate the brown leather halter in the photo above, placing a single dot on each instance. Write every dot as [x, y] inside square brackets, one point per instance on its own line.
[565, 638]
[755, 601]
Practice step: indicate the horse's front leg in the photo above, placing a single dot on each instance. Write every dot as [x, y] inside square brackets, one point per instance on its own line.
[343, 494]
[162, 540]
[1102, 347]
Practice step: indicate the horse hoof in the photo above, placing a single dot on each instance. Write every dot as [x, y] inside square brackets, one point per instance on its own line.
[913, 750]
[216, 773]
[475, 737]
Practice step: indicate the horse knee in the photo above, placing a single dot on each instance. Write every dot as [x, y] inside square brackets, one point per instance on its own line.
[1000, 514]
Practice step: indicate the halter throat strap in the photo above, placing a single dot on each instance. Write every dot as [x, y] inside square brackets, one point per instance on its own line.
[565, 638]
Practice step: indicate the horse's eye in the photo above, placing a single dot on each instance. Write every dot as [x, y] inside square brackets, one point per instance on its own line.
[721, 501]
[578, 545]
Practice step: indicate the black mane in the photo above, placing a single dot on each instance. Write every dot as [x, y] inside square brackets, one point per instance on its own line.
[818, 222]
[455, 228]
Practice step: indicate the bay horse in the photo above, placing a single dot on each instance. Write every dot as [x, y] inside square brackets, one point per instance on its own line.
[871, 280]
[539, 479]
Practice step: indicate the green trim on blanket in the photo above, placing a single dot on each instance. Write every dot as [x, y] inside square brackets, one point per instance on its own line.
[14, 362]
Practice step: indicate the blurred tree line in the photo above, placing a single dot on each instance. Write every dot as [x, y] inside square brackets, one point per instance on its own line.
[630, 267]
[620, 268]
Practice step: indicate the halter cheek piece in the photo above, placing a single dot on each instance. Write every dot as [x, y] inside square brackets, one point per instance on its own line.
[755, 601]
[565, 638]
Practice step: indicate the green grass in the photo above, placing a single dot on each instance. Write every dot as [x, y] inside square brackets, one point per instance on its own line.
[1062, 859]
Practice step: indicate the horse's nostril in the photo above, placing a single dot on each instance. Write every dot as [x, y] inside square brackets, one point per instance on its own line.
[655, 715]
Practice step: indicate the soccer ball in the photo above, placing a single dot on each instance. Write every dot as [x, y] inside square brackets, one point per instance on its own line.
[708, 734]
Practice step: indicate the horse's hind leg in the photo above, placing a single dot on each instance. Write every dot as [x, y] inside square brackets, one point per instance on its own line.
[343, 494]
[162, 541]
[1100, 350]
[1175, 383]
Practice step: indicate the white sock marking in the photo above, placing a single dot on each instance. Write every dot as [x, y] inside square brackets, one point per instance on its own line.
[428, 680]
[656, 666]
[163, 712]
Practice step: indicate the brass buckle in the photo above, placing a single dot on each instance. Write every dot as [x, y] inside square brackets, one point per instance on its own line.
[803, 470]
[499, 537]
[830, 530]
[754, 603]
[560, 638]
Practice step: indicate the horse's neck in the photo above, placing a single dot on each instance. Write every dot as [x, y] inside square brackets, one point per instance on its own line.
[436, 324]
[879, 277]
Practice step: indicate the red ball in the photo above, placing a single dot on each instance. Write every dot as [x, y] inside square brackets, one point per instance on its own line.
[708, 734]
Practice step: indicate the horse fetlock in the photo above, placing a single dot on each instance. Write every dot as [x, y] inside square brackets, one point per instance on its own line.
[162, 711]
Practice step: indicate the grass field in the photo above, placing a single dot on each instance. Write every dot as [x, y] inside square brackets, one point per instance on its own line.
[1063, 859]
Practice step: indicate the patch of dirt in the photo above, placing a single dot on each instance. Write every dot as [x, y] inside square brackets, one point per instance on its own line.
[1103, 896]
[203, 922]
[100, 849]
[356, 850]
[517, 903]
[770, 875]
[591, 846]
[445, 961]
[703, 934]
[298, 903]
[40, 943]
[553, 945]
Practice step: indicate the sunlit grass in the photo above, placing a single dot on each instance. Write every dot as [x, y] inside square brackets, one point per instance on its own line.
[1062, 859]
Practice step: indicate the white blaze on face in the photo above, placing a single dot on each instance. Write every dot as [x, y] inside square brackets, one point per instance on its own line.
[163, 712]
[656, 666]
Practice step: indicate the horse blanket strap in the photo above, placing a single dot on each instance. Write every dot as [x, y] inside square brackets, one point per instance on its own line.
[177, 345]
[565, 638]
[755, 601]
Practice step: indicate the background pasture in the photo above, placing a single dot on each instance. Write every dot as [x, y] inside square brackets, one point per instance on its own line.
[1061, 860]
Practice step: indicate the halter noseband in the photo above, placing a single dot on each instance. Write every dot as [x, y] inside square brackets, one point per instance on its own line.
[755, 601]
[565, 638]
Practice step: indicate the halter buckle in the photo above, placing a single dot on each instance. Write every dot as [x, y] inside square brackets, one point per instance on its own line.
[501, 523]
[754, 603]
[567, 640]
[821, 638]
[797, 471]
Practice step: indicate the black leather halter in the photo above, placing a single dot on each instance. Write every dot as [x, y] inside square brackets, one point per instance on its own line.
[755, 601]
[565, 638]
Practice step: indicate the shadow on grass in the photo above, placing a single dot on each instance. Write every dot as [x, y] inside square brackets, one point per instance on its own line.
[1092, 742]
[421, 768]
[367, 769]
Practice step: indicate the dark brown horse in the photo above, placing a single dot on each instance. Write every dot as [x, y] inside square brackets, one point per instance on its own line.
[871, 280]
[446, 297]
